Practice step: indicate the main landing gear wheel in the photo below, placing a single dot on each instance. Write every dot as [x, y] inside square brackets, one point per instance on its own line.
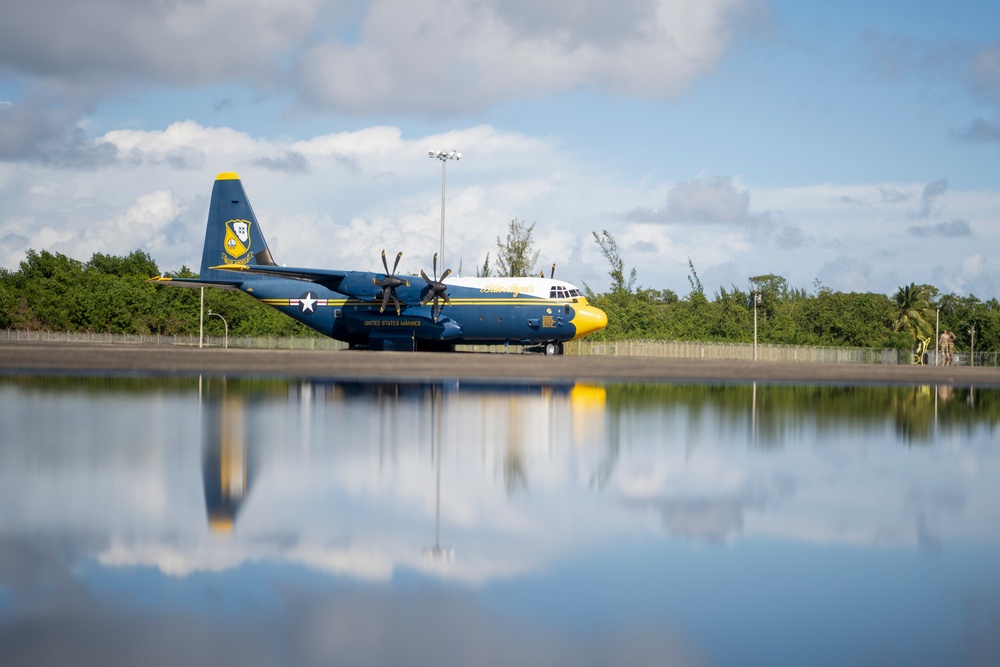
[553, 348]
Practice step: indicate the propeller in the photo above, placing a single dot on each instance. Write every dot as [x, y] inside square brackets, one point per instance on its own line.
[436, 289]
[390, 283]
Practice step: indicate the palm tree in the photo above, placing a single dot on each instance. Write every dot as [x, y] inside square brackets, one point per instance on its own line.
[914, 311]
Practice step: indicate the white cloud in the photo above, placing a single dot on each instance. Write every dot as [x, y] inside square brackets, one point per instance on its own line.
[373, 189]
[705, 199]
[453, 56]
[970, 63]
[972, 266]
[110, 41]
[847, 274]
[946, 228]
[384, 56]
[929, 197]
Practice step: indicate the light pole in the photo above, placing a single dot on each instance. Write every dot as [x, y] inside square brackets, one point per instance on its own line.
[436, 552]
[937, 336]
[444, 156]
[756, 300]
[972, 346]
[226, 339]
[201, 319]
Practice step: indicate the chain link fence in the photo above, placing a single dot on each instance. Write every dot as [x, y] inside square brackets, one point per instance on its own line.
[244, 342]
[765, 352]
[624, 348]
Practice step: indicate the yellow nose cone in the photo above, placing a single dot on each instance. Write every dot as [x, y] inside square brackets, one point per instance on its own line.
[587, 320]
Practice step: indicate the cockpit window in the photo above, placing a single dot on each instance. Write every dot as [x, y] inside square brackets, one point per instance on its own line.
[563, 292]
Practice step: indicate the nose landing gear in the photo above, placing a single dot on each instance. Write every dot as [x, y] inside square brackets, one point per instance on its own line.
[553, 348]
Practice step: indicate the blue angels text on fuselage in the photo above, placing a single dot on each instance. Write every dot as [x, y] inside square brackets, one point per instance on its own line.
[382, 310]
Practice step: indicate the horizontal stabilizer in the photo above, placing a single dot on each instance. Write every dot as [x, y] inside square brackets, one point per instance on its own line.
[195, 282]
[325, 277]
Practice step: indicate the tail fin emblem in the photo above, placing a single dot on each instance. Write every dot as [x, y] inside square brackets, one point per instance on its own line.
[237, 237]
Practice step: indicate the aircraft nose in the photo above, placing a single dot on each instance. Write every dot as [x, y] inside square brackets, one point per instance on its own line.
[588, 320]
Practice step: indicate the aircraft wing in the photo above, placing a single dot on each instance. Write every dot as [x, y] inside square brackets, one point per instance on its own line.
[325, 277]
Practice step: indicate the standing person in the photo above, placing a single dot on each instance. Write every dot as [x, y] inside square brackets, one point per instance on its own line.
[947, 343]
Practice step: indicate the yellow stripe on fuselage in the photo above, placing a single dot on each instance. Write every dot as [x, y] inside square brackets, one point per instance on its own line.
[454, 302]
[329, 302]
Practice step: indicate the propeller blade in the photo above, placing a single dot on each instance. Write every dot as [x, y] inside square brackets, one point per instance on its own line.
[553, 274]
[436, 290]
[389, 284]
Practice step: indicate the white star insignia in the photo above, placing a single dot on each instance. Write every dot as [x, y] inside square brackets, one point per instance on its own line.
[307, 302]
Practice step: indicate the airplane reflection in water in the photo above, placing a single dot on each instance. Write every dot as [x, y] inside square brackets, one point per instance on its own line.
[382, 459]
[513, 421]
[224, 460]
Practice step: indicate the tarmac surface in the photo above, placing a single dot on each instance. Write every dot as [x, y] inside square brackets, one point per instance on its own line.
[111, 359]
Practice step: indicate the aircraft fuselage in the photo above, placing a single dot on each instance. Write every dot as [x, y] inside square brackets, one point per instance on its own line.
[482, 311]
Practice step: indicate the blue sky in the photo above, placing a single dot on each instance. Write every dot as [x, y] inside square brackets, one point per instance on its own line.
[856, 145]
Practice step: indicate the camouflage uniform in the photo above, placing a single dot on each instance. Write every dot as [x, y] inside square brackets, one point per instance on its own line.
[947, 343]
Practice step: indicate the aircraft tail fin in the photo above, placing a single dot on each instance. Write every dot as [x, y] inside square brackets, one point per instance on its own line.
[233, 235]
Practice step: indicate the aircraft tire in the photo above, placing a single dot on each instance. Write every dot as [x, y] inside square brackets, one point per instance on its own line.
[551, 349]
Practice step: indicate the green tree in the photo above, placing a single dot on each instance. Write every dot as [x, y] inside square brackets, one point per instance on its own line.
[631, 313]
[516, 256]
[609, 248]
[697, 289]
[51, 292]
[659, 296]
[913, 312]
[137, 263]
[849, 319]
[8, 299]
[773, 289]
[486, 270]
[729, 317]
[960, 314]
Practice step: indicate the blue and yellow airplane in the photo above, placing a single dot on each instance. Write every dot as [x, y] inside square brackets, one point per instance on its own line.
[385, 311]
